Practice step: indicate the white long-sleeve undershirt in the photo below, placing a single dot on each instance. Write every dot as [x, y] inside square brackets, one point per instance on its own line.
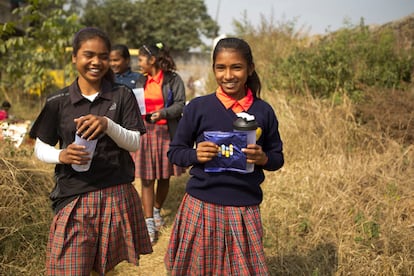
[124, 138]
[46, 153]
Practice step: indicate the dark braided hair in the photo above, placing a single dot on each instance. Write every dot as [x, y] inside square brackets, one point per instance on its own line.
[253, 80]
[90, 33]
[163, 59]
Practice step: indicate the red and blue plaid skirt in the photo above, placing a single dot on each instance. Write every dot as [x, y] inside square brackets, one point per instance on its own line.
[209, 239]
[151, 161]
[96, 231]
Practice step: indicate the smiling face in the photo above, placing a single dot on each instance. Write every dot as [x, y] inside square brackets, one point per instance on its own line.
[118, 63]
[146, 64]
[231, 71]
[92, 62]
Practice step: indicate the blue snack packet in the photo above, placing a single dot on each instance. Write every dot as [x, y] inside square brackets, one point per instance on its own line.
[230, 157]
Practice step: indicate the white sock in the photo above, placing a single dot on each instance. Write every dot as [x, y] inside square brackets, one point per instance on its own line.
[157, 211]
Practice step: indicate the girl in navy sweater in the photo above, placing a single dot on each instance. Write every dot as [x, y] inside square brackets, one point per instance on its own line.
[218, 229]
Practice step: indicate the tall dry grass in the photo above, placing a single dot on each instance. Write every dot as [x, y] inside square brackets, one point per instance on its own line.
[25, 214]
[343, 204]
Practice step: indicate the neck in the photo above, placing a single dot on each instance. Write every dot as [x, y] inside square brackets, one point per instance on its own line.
[88, 88]
[154, 72]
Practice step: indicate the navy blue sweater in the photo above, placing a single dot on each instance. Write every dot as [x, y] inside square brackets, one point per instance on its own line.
[207, 113]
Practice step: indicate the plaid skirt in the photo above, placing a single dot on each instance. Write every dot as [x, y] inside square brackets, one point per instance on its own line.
[209, 239]
[151, 161]
[96, 231]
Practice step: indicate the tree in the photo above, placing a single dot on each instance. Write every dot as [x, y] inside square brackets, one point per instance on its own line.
[26, 59]
[179, 24]
[119, 19]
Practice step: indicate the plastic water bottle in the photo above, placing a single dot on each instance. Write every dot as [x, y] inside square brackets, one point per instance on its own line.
[247, 123]
[90, 148]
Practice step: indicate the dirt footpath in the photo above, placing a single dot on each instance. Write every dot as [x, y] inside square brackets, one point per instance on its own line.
[152, 264]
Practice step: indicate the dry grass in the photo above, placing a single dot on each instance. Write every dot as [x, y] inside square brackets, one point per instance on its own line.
[25, 215]
[343, 204]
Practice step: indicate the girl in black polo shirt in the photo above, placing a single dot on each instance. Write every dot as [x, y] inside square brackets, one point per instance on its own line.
[98, 218]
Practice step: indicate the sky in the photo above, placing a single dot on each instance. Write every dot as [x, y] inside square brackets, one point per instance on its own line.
[316, 16]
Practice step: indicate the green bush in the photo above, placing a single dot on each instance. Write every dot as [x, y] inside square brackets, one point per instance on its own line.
[346, 61]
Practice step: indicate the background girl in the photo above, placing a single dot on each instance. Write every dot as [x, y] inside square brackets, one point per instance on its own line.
[120, 61]
[164, 94]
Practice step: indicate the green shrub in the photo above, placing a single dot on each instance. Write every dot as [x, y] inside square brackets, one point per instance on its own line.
[346, 61]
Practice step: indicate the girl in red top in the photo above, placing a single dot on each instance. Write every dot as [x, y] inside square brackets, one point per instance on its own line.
[164, 95]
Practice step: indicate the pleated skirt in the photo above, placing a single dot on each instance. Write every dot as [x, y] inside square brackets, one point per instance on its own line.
[96, 231]
[209, 239]
[151, 160]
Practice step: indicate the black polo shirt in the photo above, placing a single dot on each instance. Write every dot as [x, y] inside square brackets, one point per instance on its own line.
[111, 165]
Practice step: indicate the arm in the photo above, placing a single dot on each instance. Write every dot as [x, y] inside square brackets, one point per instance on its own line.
[272, 143]
[268, 152]
[46, 153]
[91, 126]
[174, 109]
[73, 154]
[182, 151]
[124, 138]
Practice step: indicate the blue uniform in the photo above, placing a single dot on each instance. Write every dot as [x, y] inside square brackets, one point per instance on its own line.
[128, 78]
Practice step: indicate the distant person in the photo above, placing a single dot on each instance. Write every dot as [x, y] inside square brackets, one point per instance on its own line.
[164, 96]
[190, 86]
[217, 229]
[98, 219]
[120, 60]
[4, 110]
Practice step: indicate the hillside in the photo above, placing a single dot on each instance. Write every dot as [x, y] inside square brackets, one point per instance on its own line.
[404, 31]
[392, 111]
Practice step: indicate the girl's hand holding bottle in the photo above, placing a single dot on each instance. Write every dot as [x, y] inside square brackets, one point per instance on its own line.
[90, 126]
